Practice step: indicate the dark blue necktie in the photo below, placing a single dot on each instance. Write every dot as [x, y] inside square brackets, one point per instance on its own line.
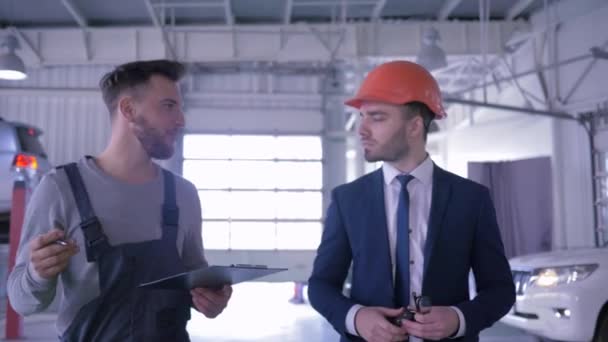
[402, 260]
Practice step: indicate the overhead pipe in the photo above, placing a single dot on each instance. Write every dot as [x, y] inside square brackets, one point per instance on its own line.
[553, 114]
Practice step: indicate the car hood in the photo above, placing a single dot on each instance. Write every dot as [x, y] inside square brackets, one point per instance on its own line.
[561, 258]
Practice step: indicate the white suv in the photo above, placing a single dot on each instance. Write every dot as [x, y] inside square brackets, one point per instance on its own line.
[21, 157]
[562, 295]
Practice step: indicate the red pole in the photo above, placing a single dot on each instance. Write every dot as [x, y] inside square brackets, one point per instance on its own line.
[14, 322]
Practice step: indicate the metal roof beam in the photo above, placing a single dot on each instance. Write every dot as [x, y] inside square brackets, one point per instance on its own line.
[288, 12]
[377, 11]
[75, 13]
[228, 12]
[152, 13]
[335, 3]
[447, 9]
[518, 8]
[168, 47]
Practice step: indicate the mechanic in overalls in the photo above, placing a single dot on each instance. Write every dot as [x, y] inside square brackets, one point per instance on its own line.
[125, 221]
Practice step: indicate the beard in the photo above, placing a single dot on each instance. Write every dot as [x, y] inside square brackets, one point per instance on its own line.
[394, 149]
[152, 139]
[387, 154]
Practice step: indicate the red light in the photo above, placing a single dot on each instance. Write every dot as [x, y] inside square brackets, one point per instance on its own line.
[31, 131]
[23, 161]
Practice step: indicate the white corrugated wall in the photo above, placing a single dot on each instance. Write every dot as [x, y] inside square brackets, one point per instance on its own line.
[73, 123]
[72, 126]
[76, 76]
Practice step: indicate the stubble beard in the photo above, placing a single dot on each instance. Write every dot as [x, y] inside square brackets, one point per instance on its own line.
[152, 140]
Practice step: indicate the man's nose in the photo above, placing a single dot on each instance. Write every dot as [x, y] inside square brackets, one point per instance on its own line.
[181, 118]
[363, 130]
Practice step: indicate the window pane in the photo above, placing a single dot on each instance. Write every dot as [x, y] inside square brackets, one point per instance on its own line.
[298, 235]
[271, 175]
[210, 146]
[252, 205]
[223, 174]
[260, 204]
[216, 235]
[215, 204]
[201, 146]
[253, 174]
[253, 147]
[253, 235]
[299, 205]
[299, 175]
[299, 148]
[208, 174]
[261, 235]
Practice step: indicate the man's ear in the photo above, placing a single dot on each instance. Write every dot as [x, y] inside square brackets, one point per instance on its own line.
[126, 108]
[417, 125]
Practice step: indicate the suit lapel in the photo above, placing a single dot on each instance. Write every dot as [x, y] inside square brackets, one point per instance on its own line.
[439, 201]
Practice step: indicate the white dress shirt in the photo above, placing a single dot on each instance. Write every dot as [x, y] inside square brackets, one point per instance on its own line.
[420, 190]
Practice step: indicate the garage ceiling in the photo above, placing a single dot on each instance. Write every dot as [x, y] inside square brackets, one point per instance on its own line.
[463, 70]
[111, 13]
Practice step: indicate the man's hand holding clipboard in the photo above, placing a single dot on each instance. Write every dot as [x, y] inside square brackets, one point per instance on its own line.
[211, 302]
[210, 287]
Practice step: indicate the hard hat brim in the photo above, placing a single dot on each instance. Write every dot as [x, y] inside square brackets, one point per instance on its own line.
[357, 102]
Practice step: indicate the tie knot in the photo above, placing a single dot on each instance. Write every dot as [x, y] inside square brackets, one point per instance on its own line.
[404, 179]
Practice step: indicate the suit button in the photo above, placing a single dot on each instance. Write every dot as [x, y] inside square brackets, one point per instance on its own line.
[411, 262]
[410, 231]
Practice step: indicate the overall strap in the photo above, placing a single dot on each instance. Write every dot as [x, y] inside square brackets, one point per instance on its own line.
[170, 209]
[95, 239]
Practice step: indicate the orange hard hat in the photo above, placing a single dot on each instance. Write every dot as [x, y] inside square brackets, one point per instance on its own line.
[398, 83]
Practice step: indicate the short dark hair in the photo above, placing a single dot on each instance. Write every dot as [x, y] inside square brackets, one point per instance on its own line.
[135, 74]
[420, 109]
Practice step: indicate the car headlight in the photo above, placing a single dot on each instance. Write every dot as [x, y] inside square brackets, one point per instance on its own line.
[553, 276]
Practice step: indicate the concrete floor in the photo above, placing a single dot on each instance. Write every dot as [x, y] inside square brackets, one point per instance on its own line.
[257, 312]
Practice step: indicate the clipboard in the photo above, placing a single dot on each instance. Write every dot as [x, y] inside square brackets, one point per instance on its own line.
[212, 277]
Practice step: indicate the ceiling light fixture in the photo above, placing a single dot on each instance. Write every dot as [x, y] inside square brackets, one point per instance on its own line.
[11, 65]
[431, 55]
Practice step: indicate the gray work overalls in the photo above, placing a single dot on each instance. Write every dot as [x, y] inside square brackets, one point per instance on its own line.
[124, 312]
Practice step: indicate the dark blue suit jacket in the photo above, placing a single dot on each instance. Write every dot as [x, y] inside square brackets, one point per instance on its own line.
[462, 235]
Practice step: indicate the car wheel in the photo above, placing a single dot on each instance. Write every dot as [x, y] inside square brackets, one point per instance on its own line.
[601, 333]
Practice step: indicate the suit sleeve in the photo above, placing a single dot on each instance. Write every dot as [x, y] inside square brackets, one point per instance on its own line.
[330, 269]
[495, 288]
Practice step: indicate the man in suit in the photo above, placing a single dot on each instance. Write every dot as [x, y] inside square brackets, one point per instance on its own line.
[408, 227]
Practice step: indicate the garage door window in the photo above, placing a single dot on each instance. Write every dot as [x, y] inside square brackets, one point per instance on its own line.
[257, 191]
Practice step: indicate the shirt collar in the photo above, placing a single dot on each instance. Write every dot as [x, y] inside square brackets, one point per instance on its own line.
[423, 172]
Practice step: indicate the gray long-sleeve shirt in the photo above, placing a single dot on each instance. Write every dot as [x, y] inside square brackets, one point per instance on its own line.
[127, 212]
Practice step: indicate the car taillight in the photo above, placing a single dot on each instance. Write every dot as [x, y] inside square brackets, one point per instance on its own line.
[23, 161]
